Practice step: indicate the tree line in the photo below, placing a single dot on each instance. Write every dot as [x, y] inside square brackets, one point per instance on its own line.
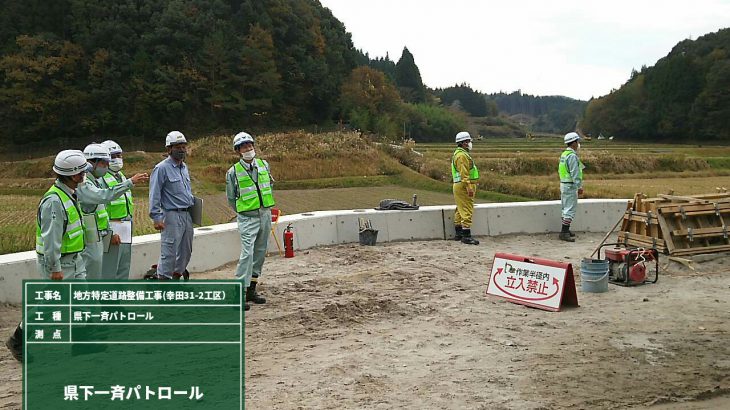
[95, 69]
[80, 69]
[74, 68]
[685, 96]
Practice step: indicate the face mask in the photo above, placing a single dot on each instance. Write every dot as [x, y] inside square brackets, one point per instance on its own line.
[178, 154]
[116, 164]
[469, 146]
[249, 155]
[579, 145]
[99, 171]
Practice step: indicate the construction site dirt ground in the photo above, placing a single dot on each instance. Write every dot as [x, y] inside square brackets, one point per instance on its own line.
[408, 325]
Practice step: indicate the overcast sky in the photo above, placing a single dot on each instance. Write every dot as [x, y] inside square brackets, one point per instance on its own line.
[577, 48]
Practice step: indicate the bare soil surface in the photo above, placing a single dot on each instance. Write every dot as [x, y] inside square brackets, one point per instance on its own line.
[408, 325]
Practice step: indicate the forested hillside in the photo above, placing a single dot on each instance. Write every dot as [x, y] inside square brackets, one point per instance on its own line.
[77, 70]
[74, 68]
[685, 96]
[554, 114]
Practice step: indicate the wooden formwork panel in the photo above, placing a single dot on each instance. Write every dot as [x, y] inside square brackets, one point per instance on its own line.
[696, 228]
[678, 225]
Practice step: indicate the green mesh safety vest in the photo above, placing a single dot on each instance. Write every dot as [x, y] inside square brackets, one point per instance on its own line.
[251, 197]
[102, 218]
[123, 206]
[73, 235]
[563, 170]
[100, 214]
[473, 172]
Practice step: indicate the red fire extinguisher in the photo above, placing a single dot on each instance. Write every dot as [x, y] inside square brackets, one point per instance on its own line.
[288, 242]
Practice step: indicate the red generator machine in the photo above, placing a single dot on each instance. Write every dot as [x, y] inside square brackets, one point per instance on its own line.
[628, 266]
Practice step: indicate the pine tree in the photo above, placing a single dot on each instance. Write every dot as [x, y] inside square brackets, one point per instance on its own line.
[408, 78]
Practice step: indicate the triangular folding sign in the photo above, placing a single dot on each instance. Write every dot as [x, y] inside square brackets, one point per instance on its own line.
[535, 282]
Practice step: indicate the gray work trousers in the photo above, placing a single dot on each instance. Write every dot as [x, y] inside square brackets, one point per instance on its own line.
[92, 256]
[72, 266]
[176, 243]
[254, 231]
[117, 262]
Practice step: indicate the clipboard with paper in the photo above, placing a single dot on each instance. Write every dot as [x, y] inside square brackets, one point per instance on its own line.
[196, 211]
[123, 229]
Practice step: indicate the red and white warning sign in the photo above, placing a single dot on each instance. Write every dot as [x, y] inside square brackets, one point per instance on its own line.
[540, 283]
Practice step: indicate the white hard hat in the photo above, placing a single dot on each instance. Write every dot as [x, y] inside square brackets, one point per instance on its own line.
[70, 162]
[175, 137]
[462, 136]
[570, 137]
[97, 151]
[241, 138]
[112, 146]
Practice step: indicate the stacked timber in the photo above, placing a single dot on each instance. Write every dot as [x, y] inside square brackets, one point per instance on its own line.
[678, 225]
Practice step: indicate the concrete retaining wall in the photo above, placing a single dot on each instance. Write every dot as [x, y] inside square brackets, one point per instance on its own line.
[217, 245]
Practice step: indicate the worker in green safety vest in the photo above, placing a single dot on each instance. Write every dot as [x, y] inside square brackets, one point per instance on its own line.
[92, 200]
[118, 258]
[59, 230]
[570, 171]
[465, 176]
[249, 191]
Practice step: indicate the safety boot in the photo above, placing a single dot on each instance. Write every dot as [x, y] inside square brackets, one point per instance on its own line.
[236, 298]
[467, 239]
[15, 344]
[252, 296]
[459, 232]
[565, 234]
[185, 276]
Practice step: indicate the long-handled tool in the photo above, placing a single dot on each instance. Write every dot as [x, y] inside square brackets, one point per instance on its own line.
[607, 235]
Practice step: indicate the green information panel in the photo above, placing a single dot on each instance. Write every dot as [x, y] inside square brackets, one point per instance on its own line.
[133, 345]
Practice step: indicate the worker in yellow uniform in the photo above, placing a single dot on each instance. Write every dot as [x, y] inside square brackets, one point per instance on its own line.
[465, 175]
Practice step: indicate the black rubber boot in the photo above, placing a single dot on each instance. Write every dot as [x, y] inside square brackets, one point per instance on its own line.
[236, 298]
[15, 344]
[565, 234]
[252, 296]
[467, 239]
[459, 233]
[185, 276]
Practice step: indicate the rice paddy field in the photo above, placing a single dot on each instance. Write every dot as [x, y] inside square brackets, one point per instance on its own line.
[346, 171]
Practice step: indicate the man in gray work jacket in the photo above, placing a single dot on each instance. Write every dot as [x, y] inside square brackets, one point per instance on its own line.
[59, 230]
[249, 192]
[171, 199]
[570, 171]
[92, 199]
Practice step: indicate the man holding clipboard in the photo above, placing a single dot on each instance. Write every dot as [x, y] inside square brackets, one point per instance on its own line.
[118, 250]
